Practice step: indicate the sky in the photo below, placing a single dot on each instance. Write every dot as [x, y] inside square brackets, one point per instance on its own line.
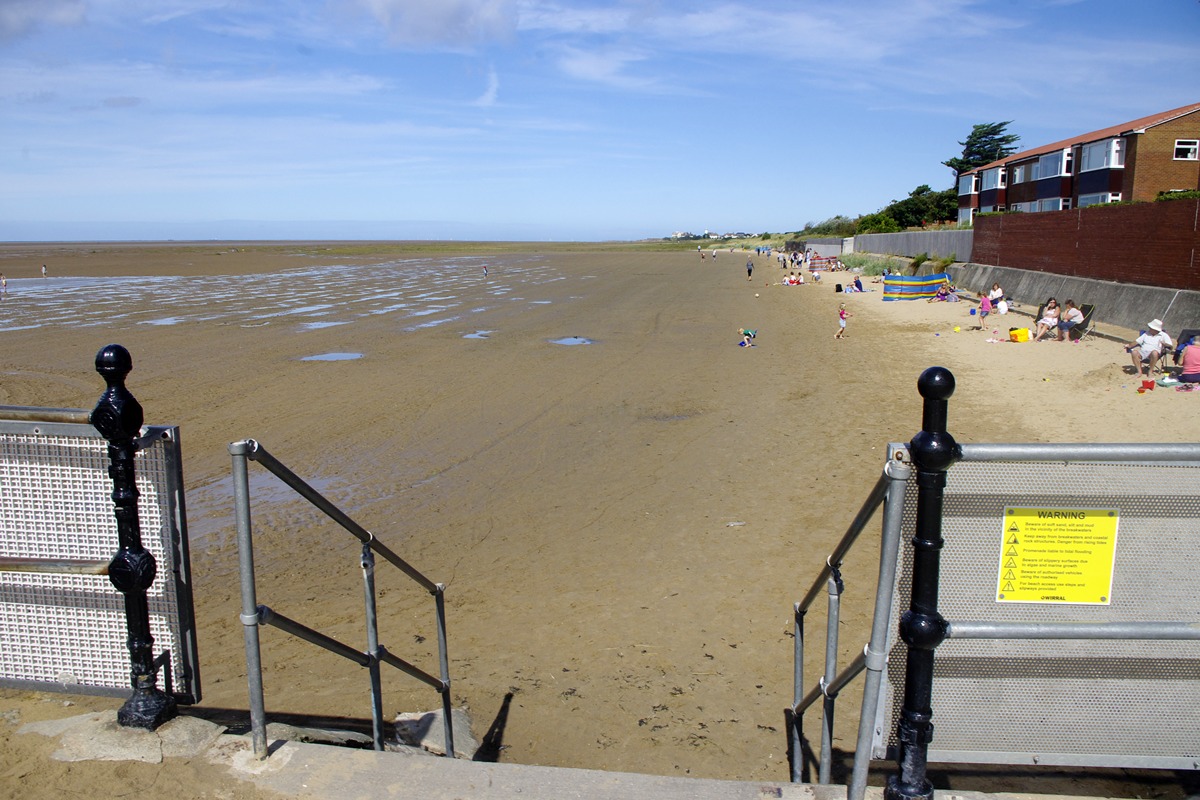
[539, 120]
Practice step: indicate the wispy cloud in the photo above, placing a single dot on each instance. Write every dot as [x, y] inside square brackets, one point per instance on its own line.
[488, 98]
[453, 24]
[18, 17]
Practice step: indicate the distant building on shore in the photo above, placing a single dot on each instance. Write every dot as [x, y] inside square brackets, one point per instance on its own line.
[1134, 160]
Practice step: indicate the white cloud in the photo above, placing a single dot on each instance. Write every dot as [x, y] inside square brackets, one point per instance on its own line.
[488, 98]
[454, 24]
[604, 66]
[18, 17]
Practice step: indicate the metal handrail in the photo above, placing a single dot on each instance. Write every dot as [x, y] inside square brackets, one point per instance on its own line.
[37, 414]
[873, 658]
[888, 493]
[54, 566]
[254, 615]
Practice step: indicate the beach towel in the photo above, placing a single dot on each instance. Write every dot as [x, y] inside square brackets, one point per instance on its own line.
[906, 287]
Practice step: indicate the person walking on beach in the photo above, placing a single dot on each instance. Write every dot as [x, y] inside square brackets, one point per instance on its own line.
[43, 270]
[3, 285]
[749, 269]
[485, 270]
[842, 314]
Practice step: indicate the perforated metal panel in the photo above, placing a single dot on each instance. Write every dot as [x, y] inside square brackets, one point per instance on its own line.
[68, 632]
[1069, 702]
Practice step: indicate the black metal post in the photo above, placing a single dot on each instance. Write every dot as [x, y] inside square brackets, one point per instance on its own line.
[922, 628]
[118, 417]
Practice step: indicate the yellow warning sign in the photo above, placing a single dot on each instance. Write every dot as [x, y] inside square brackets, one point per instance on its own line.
[1057, 555]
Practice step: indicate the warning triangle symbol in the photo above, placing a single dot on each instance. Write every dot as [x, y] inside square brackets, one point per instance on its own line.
[1008, 576]
[1012, 551]
[1008, 587]
[1013, 539]
[1010, 563]
[1015, 528]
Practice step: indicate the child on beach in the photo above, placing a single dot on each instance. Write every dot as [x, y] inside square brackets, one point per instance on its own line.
[985, 308]
[842, 314]
[748, 336]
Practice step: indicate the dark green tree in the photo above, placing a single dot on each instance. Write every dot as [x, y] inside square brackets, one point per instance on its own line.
[923, 205]
[880, 222]
[985, 143]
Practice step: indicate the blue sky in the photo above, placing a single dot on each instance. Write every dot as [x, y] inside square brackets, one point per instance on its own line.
[524, 119]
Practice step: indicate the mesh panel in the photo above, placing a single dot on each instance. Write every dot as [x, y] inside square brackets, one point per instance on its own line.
[56, 503]
[1103, 703]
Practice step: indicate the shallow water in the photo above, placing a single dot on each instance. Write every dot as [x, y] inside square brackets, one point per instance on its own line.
[333, 357]
[572, 340]
[425, 292]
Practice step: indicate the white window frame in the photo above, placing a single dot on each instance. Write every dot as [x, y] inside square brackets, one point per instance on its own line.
[1063, 204]
[971, 182]
[1095, 199]
[1061, 164]
[993, 179]
[1190, 149]
[1106, 154]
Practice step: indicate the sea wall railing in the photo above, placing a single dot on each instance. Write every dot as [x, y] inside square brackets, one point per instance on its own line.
[254, 615]
[93, 502]
[1030, 553]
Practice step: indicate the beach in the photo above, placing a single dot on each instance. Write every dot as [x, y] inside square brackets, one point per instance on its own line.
[622, 503]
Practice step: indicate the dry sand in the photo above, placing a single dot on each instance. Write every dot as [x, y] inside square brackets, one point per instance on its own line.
[622, 526]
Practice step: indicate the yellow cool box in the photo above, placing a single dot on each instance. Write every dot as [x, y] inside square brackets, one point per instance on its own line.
[1018, 334]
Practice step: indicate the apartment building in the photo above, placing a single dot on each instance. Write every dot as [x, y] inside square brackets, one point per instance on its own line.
[1132, 161]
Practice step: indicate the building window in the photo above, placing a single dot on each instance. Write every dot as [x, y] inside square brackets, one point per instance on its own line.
[1102, 155]
[1050, 165]
[966, 185]
[1052, 204]
[1019, 173]
[993, 179]
[1086, 200]
[1187, 149]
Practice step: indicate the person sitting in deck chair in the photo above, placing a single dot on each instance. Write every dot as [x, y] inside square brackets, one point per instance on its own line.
[1148, 347]
[1070, 317]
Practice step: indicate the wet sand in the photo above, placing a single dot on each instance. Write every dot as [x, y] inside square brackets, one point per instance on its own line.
[622, 525]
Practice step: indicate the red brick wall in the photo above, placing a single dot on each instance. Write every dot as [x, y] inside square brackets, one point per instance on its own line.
[1151, 244]
[1155, 167]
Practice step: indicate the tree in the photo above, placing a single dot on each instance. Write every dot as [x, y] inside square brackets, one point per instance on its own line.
[923, 205]
[880, 222]
[985, 143]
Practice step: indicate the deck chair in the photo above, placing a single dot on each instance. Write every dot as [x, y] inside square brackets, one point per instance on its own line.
[1185, 338]
[1080, 331]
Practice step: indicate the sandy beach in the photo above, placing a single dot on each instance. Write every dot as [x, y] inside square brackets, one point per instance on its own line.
[622, 525]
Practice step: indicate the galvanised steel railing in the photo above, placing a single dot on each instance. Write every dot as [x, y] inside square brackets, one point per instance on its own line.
[254, 615]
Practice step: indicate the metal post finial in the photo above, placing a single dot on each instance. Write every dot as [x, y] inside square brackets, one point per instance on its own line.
[922, 628]
[118, 418]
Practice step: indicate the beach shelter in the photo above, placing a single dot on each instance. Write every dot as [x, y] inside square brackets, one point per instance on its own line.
[913, 287]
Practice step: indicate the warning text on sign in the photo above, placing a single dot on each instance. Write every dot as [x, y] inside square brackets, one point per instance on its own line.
[1057, 555]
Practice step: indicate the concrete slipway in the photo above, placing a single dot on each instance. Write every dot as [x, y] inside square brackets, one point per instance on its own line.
[305, 770]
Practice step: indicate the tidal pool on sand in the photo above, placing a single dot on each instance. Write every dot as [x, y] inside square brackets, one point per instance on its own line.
[333, 357]
[570, 340]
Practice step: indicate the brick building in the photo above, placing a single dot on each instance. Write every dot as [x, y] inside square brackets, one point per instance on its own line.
[1132, 161]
